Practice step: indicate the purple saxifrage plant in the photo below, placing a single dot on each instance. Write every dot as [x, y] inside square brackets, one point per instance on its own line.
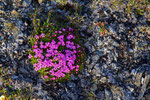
[57, 55]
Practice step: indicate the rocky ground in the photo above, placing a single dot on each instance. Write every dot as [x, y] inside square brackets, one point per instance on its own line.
[117, 65]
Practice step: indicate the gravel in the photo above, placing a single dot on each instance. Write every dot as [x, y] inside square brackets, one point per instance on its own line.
[117, 66]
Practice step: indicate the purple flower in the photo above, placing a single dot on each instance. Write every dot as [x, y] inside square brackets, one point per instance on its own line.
[63, 30]
[63, 43]
[41, 46]
[59, 32]
[53, 42]
[47, 55]
[55, 51]
[73, 47]
[62, 75]
[53, 78]
[34, 65]
[70, 37]
[35, 43]
[35, 46]
[70, 29]
[30, 56]
[37, 37]
[45, 76]
[42, 35]
[55, 31]
[60, 38]
[74, 51]
[41, 42]
[59, 61]
[76, 69]
[78, 46]
[47, 44]
[72, 67]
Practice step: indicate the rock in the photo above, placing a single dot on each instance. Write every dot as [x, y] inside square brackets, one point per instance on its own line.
[100, 52]
[26, 3]
[1, 5]
[71, 85]
[131, 89]
[83, 82]
[145, 82]
[99, 42]
[116, 44]
[83, 28]
[94, 87]
[100, 95]
[108, 95]
[73, 96]
[73, 77]
[64, 97]
[1, 38]
[23, 71]
[130, 50]
[121, 28]
[111, 30]
[3, 46]
[14, 77]
[103, 80]
[96, 70]
[1, 82]
[95, 58]
[53, 3]
[138, 76]
[147, 97]
[20, 40]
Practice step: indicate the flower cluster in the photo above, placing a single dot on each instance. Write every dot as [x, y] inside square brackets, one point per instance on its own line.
[61, 54]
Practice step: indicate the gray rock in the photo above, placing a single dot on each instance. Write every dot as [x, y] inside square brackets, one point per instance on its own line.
[64, 97]
[23, 71]
[147, 97]
[71, 85]
[73, 77]
[96, 70]
[111, 29]
[121, 28]
[1, 5]
[26, 3]
[100, 52]
[145, 82]
[1, 38]
[124, 20]
[116, 44]
[20, 40]
[94, 87]
[3, 46]
[83, 83]
[73, 96]
[83, 28]
[108, 95]
[1, 82]
[103, 80]
[130, 50]
[95, 58]
[53, 3]
[100, 95]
